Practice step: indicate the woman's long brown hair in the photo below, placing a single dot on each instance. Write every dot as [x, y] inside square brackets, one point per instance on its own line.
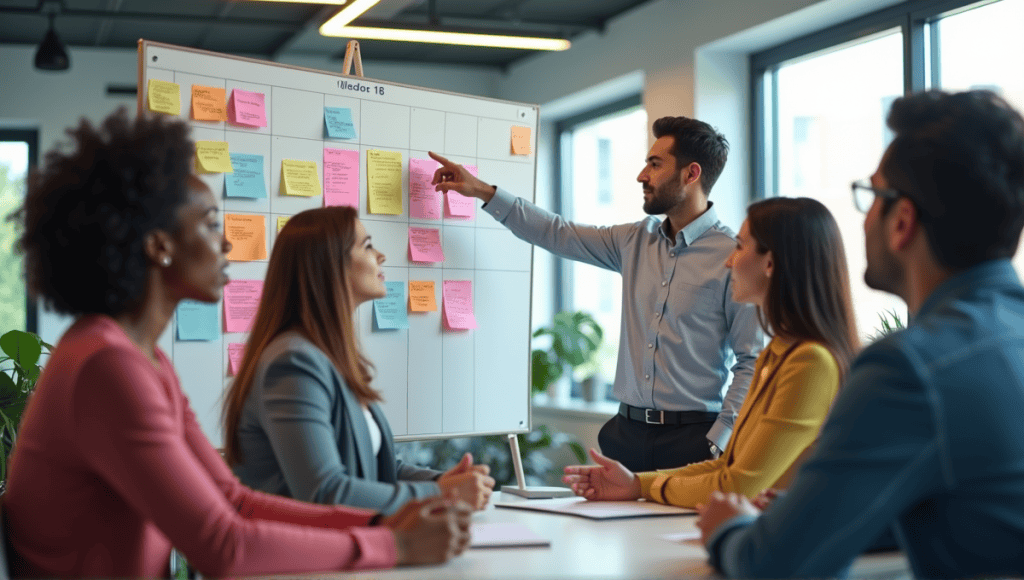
[809, 291]
[306, 289]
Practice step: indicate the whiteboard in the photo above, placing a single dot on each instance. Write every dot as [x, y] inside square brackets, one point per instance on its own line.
[435, 382]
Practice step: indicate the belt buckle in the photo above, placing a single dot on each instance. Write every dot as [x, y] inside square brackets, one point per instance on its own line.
[649, 421]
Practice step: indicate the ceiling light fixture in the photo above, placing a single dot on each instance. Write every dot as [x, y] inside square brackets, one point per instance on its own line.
[443, 37]
[51, 54]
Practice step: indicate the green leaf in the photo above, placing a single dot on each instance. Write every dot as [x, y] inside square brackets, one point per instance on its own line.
[7, 385]
[23, 347]
[545, 370]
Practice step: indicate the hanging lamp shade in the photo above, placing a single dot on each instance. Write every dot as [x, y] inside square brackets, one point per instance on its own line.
[51, 54]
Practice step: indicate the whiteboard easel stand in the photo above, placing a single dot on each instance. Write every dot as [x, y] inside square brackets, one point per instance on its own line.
[532, 492]
[352, 55]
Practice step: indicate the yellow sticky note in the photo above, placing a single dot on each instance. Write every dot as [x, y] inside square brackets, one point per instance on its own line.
[421, 296]
[281, 220]
[520, 140]
[164, 97]
[300, 177]
[213, 157]
[248, 237]
[384, 182]
[209, 104]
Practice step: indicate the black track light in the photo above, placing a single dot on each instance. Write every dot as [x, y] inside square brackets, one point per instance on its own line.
[51, 54]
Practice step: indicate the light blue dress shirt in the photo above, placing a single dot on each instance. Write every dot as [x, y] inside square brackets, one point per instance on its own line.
[926, 438]
[681, 332]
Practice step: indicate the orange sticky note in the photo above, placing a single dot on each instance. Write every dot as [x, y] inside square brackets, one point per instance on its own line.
[520, 140]
[248, 237]
[421, 296]
[209, 104]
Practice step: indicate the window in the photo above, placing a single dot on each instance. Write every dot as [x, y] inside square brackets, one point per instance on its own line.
[601, 153]
[820, 104]
[982, 48]
[17, 154]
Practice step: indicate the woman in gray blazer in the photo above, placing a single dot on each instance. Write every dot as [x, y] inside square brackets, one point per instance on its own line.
[301, 418]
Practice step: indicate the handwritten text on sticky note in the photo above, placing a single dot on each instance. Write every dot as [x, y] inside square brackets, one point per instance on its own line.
[248, 108]
[458, 304]
[248, 237]
[425, 245]
[164, 97]
[300, 177]
[213, 157]
[208, 104]
[241, 300]
[390, 312]
[421, 296]
[384, 181]
[341, 177]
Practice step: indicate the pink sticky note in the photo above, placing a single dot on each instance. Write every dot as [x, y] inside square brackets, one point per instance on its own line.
[425, 245]
[247, 108]
[424, 202]
[457, 301]
[241, 299]
[459, 205]
[341, 177]
[235, 352]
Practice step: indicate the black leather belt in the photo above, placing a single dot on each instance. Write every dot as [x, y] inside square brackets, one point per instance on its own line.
[659, 417]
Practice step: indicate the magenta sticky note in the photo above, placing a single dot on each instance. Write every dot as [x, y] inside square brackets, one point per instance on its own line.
[235, 352]
[424, 202]
[425, 245]
[241, 299]
[248, 108]
[341, 177]
[457, 301]
[460, 206]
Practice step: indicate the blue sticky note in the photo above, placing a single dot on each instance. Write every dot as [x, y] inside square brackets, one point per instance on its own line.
[389, 312]
[247, 179]
[338, 121]
[197, 320]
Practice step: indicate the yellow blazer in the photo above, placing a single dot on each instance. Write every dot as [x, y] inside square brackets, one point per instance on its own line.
[777, 425]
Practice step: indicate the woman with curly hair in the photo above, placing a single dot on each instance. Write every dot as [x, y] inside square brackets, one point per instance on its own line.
[111, 467]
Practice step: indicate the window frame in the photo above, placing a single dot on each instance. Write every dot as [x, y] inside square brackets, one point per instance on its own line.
[561, 199]
[31, 138]
[919, 71]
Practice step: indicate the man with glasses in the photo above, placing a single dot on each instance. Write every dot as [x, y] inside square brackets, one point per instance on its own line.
[925, 438]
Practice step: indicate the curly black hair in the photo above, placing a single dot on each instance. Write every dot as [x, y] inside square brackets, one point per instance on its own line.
[88, 210]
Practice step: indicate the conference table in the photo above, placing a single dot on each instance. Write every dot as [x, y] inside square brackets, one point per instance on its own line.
[582, 548]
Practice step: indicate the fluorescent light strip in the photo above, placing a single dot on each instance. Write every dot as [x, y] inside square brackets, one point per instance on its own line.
[459, 38]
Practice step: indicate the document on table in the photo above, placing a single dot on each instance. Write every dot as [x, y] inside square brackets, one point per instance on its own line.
[505, 535]
[599, 510]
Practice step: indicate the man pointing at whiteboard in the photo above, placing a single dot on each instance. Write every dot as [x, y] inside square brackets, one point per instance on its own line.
[681, 332]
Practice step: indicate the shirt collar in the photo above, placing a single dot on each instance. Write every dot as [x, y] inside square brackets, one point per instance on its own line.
[991, 273]
[697, 227]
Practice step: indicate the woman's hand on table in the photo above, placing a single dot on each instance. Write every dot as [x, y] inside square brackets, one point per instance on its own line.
[608, 480]
[430, 531]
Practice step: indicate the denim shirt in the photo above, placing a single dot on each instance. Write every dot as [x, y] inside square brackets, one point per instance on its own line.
[925, 438]
[681, 332]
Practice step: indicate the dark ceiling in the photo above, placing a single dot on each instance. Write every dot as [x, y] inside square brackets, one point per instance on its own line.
[273, 30]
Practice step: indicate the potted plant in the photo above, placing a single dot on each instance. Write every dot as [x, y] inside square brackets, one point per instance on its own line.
[889, 321]
[19, 371]
[575, 337]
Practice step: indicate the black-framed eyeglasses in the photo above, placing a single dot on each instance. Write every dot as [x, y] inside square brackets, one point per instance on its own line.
[864, 194]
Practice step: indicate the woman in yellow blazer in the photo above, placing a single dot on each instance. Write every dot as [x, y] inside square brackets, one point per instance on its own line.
[789, 261]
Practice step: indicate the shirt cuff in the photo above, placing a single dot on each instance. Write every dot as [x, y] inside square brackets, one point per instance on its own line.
[377, 548]
[652, 486]
[720, 433]
[715, 545]
[500, 205]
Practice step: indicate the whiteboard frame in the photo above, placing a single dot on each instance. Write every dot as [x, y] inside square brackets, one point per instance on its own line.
[524, 114]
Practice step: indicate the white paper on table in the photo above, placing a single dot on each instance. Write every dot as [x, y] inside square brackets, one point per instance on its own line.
[599, 510]
[680, 537]
[505, 535]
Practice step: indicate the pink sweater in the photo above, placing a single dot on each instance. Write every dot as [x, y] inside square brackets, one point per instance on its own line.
[111, 469]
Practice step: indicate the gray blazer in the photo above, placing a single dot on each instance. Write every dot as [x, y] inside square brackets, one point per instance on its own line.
[303, 435]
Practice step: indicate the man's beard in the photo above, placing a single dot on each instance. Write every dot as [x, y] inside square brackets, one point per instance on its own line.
[664, 198]
[883, 273]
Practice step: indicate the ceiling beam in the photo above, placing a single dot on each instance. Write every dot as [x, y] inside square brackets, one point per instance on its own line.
[287, 25]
